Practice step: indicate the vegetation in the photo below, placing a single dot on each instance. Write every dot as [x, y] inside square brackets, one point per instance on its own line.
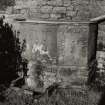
[60, 96]
[92, 72]
[11, 61]
[96, 77]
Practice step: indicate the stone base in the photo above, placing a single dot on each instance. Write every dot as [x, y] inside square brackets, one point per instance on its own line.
[65, 75]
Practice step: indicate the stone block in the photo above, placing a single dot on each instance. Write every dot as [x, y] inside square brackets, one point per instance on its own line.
[71, 13]
[34, 15]
[55, 16]
[35, 9]
[59, 2]
[67, 2]
[83, 15]
[68, 18]
[70, 8]
[52, 3]
[59, 7]
[76, 2]
[55, 3]
[45, 16]
[59, 10]
[46, 9]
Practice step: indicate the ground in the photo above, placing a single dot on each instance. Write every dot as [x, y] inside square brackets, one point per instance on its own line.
[60, 96]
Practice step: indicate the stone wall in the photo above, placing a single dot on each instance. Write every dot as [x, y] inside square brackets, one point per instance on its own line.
[66, 10]
[101, 37]
[97, 8]
[72, 10]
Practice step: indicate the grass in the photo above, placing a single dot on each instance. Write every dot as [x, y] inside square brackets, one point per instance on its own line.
[60, 96]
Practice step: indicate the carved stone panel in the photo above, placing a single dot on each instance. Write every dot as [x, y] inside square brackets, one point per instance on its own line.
[42, 33]
[73, 44]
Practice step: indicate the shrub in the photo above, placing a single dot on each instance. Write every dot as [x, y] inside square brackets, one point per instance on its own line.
[96, 77]
[92, 72]
[11, 61]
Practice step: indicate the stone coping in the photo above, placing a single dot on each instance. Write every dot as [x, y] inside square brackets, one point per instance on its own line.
[54, 22]
[98, 19]
[68, 66]
[71, 66]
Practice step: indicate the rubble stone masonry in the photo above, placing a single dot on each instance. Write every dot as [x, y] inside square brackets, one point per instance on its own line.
[66, 10]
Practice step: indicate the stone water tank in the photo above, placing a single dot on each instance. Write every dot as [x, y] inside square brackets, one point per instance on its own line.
[63, 24]
[66, 41]
[64, 27]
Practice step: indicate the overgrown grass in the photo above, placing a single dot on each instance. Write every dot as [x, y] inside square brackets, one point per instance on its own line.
[61, 96]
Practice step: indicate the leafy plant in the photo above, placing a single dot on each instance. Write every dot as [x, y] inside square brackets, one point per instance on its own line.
[92, 72]
[37, 65]
[11, 61]
[96, 77]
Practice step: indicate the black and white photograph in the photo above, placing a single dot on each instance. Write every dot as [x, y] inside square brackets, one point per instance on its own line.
[52, 52]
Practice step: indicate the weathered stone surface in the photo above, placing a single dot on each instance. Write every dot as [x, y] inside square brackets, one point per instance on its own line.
[51, 2]
[46, 9]
[59, 10]
[72, 75]
[101, 60]
[67, 42]
[34, 15]
[55, 2]
[101, 37]
[97, 8]
[67, 2]
[59, 2]
[65, 9]
[43, 2]
[34, 9]
[73, 40]
[71, 8]
[71, 13]
[55, 16]
[45, 16]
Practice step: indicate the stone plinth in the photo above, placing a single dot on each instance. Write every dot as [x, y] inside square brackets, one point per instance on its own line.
[72, 44]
